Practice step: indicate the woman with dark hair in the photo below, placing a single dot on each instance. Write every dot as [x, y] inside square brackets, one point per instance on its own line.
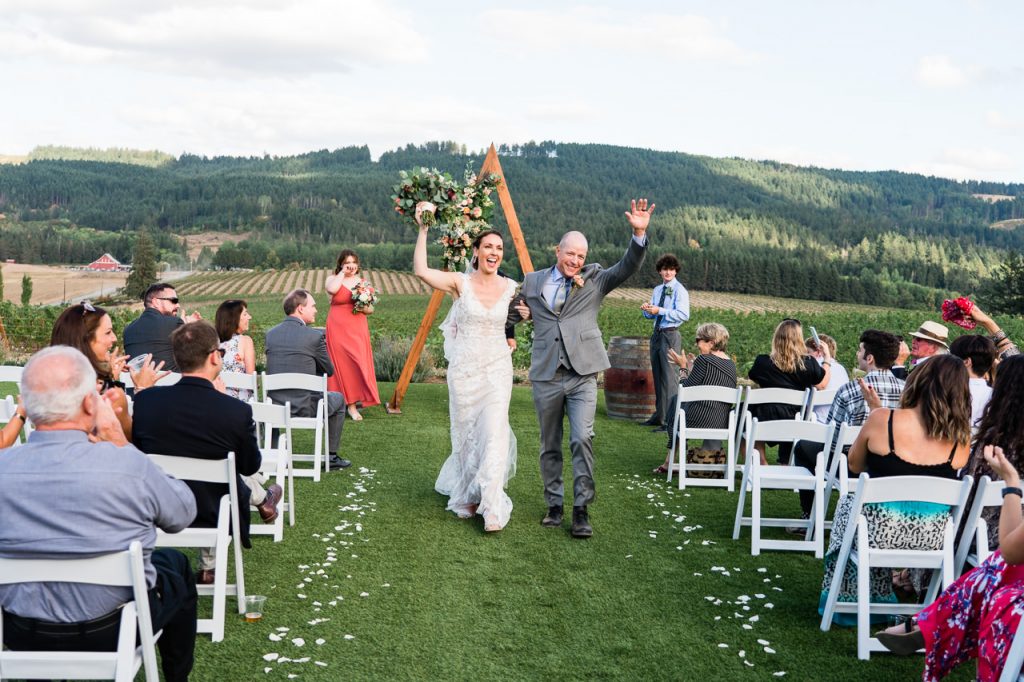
[348, 339]
[928, 435]
[89, 329]
[232, 323]
[787, 366]
[483, 455]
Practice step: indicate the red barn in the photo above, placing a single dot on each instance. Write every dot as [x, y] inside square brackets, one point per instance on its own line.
[105, 262]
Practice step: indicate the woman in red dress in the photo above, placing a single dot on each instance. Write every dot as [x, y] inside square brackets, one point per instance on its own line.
[348, 339]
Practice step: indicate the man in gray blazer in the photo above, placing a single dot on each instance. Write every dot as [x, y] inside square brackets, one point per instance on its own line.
[295, 347]
[568, 352]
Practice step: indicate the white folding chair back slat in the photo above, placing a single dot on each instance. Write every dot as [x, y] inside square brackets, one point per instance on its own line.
[11, 374]
[169, 380]
[8, 408]
[222, 538]
[681, 433]
[1014, 657]
[136, 640]
[817, 398]
[759, 477]
[241, 381]
[277, 461]
[856, 549]
[316, 423]
[763, 396]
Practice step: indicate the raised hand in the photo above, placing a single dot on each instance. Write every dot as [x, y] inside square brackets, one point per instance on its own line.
[117, 362]
[983, 319]
[1001, 467]
[639, 216]
[421, 208]
[148, 374]
[106, 426]
[194, 317]
[871, 398]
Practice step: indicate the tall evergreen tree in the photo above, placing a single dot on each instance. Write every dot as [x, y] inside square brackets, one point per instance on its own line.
[143, 271]
[1006, 289]
[26, 290]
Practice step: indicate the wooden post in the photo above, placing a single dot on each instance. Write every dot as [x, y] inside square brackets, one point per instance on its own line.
[490, 165]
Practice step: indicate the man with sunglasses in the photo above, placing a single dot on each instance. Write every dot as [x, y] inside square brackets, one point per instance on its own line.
[150, 333]
[193, 418]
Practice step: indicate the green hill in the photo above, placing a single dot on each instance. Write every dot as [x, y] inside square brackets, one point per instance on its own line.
[752, 227]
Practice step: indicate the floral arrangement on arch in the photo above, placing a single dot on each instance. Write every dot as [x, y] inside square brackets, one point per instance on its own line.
[462, 210]
[364, 297]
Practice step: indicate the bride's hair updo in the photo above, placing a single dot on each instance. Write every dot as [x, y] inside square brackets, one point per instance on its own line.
[479, 240]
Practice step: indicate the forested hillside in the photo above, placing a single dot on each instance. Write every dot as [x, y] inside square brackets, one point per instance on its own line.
[754, 227]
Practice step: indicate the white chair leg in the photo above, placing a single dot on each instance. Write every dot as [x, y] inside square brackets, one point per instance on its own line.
[755, 515]
[863, 594]
[739, 504]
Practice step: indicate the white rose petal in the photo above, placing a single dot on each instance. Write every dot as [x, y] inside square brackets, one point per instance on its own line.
[298, 641]
[350, 636]
[270, 657]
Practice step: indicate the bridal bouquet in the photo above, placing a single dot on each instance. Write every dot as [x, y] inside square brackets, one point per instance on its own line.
[364, 297]
[462, 210]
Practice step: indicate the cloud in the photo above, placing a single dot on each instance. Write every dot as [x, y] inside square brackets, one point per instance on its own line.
[965, 163]
[999, 121]
[939, 71]
[680, 37]
[561, 111]
[215, 38]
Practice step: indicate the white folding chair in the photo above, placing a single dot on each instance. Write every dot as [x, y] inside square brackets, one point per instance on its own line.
[169, 380]
[276, 461]
[759, 477]
[681, 433]
[226, 535]
[8, 408]
[763, 396]
[1014, 657]
[815, 399]
[316, 423]
[120, 569]
[11, 374]
[931, 489]
[241, 381]
[988, 494]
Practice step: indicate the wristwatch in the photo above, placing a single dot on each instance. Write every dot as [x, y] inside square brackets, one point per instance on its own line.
[1013, 491]
[20, 416]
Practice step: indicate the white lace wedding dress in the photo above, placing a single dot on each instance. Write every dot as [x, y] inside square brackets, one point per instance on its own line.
[483, 455]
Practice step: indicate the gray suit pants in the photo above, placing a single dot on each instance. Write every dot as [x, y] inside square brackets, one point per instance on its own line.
[666, 381]
[575, 395]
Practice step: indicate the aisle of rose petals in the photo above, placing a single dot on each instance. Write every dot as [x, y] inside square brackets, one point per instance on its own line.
[751, 613]
[323, 588]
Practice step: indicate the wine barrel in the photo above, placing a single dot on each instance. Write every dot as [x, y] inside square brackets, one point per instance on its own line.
[629, 383]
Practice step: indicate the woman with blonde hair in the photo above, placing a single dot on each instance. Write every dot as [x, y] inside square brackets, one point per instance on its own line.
[712, 367]
[787, 366]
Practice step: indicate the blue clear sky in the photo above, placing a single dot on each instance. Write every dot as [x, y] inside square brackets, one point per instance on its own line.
[934, 87]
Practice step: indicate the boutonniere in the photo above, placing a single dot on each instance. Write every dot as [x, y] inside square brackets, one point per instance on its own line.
[578, 282]
[668, 290]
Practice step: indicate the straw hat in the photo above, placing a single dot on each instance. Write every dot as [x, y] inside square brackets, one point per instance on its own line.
[934, 332]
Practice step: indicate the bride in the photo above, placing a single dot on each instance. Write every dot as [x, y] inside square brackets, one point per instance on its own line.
[483, 454]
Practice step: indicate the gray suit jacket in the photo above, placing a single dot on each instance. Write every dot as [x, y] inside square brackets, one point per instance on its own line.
[576, 326]
[294, 347]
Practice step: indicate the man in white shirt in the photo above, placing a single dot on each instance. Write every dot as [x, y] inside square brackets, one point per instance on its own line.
[978, 353]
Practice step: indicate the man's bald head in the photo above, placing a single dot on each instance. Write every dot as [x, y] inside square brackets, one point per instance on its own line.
[55, 383]
[574, 238]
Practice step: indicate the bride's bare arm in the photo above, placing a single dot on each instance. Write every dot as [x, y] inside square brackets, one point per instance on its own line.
[447, 282]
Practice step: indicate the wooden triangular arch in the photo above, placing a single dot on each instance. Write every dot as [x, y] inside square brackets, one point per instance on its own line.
[490, 165]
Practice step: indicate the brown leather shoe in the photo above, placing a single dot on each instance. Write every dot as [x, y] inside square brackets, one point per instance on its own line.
[204, 577]
[268, 510]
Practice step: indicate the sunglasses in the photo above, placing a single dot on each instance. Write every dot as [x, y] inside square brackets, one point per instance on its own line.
[172, 299]
[87, 307]
[222, 351]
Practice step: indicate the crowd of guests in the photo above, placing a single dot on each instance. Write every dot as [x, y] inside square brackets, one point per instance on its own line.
[954, 411]
[91, 430]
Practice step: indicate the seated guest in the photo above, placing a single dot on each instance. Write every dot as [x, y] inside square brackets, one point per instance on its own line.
[927, 435]
[930, 339]
[64, 496]
[232, 322]
[712, 367]
[788, 366]
[979, 354]
[978, 615]
[89, 329]
[838, 377]
[193, 419]
[1002, 424]
[295, 347]
[875, 355]
[150, 333]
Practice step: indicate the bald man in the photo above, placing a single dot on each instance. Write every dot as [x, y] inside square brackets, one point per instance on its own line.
[568, 352]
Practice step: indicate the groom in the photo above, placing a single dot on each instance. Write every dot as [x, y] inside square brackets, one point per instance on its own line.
[568, 352]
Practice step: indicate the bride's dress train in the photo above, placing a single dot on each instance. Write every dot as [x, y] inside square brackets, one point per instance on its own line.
[483, 455]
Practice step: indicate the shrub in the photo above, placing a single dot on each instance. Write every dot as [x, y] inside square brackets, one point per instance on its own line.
[389, 355]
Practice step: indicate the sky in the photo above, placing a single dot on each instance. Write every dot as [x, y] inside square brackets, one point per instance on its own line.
[933, 87]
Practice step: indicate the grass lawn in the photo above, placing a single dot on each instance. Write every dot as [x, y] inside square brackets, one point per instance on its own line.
[397, 588]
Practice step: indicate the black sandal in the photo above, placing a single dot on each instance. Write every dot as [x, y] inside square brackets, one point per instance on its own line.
[904, 644]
